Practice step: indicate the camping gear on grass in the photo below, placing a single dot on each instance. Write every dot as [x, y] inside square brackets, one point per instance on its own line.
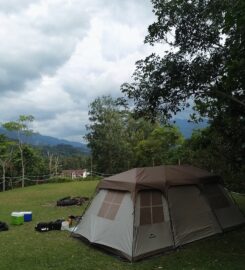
[49, 226]
[3, 226]
[145, 211]
[27, 216]
[17, 218]
[65, 225]
[67, 201]
[72, 218]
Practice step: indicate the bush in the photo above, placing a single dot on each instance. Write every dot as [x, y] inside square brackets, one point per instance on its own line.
[92, 178]
[60, 179]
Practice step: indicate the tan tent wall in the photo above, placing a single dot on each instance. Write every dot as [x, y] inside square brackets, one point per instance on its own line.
[117, 233]
[226, 211]
[192, 217]
[154, 237]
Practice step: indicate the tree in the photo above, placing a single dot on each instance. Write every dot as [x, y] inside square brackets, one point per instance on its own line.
[119, 142]
[21, 127]
[53, 163]
[203, 64]
[56, 164]
[137, 130]
[205, 60]
[158, 147]
[207, 149]
[50, 162]
[6, 151]
[75, 162]
[107, 135]
[34, 162]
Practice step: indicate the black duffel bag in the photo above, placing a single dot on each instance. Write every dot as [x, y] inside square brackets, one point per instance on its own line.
[49, 226]
[68, 201]
[3, 226]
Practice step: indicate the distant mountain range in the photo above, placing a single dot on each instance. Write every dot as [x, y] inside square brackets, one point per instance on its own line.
[36, 139]
[187, 128]
[42, 140]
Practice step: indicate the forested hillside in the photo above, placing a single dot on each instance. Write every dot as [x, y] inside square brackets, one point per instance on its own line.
[23, 164]
[41, 140]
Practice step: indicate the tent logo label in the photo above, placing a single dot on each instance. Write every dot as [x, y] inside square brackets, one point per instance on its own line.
[152, 235]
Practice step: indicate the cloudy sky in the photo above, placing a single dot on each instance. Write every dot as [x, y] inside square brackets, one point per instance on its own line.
[57, 56]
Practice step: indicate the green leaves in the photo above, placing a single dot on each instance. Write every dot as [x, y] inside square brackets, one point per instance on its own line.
[119, 141]
[107, 136]
[204, 63]
[21, 125]
[158, 148]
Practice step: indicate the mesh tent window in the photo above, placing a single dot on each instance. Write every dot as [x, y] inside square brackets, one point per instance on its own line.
[151, 207]
[216, 197]
[111, 204]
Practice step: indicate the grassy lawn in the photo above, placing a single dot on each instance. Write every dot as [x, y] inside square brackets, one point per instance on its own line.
[22, 248]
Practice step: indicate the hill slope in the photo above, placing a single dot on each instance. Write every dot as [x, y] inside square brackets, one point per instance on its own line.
[187, 128]
[41, 140]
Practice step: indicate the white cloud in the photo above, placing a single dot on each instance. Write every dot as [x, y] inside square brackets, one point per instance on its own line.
[57, 56]
[13, 6]
[70, 124]
[38, 40]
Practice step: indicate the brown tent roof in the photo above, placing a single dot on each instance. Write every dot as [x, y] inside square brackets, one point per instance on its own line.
[160, 177]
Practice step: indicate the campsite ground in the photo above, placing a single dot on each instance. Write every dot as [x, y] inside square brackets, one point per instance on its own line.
[23, 248]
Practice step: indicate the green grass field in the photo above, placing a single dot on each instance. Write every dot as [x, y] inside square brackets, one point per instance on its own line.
[22, 248]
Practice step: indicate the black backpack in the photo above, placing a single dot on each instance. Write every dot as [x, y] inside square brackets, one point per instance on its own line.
[3, 226]
[67, 201]
[49, 226]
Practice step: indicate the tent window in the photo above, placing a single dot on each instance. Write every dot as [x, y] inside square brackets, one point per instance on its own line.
[216, 197]
[151, 207]
[111, 204]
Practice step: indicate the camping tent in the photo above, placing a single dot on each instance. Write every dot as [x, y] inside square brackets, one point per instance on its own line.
[145, 211]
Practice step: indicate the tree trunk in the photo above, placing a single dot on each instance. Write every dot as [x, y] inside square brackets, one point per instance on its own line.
[11, 183]
[56, 165]
[91, 165]
[23, 166]
[50, 156]
[3, 164]
[4, 180]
